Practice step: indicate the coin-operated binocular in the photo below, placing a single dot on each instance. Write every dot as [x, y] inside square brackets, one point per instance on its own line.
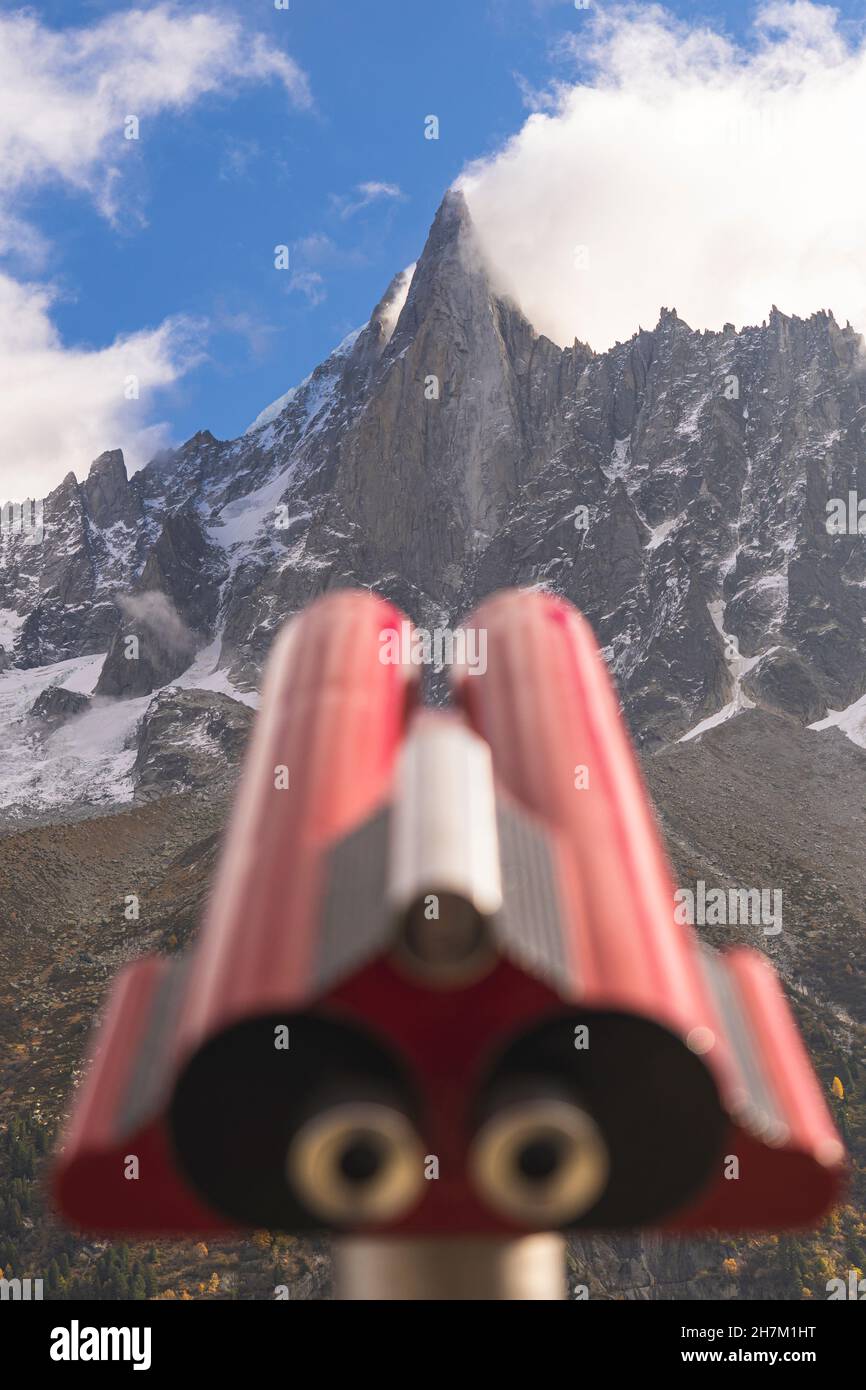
[440, 992]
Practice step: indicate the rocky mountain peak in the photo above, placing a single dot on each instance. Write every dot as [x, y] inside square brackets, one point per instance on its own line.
[109, 464]
[674, 487]
[450, 280]
[108, 497]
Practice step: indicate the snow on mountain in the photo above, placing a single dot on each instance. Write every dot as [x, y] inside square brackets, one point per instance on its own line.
[10, 625]
[242, 521]
[86, 760]
[275, 409]
[205, 673]
[851, 721]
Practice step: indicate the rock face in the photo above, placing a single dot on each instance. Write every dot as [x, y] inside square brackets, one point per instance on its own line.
[188, 739]
[172, 603]
[674, 487]
[62, 587]
[108, 499]
[149, 650]
[56, 704]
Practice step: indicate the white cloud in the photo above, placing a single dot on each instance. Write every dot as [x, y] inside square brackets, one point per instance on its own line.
[66, 96]
[155, 611]
[66, 93]
[312, 254]
[238, 156]
[63, 406]
[311, 284]
[373, 191]
[695, 173]
[315, 249]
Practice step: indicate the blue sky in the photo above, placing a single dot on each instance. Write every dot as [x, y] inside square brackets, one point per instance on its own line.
[207, 192]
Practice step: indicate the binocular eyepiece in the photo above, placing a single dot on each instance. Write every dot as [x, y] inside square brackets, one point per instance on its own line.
[538, 1158]
[335, 1139]
[320, 1134]
[356, 1163]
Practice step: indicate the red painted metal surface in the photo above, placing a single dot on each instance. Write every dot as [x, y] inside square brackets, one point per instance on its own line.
[333, 715]
[331, 722]
[91, 1185]
[792, 1182]
[547, 707]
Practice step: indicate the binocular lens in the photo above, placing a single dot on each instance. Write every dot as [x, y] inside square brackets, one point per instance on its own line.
[451, 950]
[542, 1162]
[356, 1162]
